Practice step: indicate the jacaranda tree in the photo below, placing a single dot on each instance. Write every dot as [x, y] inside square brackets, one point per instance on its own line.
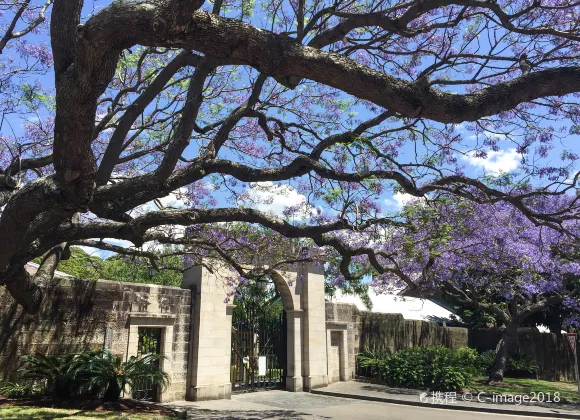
[487, 257]
[107, 108]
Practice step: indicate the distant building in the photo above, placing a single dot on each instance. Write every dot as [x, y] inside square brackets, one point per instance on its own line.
[410, 307]
[32, 268]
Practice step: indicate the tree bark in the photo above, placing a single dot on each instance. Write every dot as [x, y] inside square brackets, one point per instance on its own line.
[113, 391]
[178, 24]
[21, 286]
[501, 354]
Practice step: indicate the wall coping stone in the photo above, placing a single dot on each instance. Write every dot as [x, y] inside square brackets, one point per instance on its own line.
[141, 315]
[101, 284]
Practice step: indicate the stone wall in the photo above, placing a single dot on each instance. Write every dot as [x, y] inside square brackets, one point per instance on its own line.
[393, 332]
[388, 331]
[83, 314]
[349, 315]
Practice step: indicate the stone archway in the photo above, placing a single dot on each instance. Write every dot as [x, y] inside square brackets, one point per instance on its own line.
[302, 294]
[283, 287]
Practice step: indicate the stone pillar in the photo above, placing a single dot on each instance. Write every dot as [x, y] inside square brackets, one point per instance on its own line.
[314, 363]
[294, 350]
[209, 369]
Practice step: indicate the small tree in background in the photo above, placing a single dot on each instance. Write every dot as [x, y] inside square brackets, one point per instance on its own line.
[556, 317]
[486, 257]
[255, 296]
[167, 270]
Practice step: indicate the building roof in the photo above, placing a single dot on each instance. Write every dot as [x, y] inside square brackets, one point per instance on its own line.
[32, 268]
[410, 307]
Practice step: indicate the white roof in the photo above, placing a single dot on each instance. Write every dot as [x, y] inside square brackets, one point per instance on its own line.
[32, 268]
[409, 307]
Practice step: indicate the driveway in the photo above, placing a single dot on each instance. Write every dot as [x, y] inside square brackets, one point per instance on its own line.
[305, 406]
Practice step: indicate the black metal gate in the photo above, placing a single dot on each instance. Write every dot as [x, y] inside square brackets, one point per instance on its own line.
[149, 342]
[258, 353]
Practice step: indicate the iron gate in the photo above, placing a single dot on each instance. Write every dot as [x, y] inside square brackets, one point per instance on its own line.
[258, 353]
[149, 342]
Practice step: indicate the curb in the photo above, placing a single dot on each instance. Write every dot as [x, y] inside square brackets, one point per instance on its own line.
[447, 407]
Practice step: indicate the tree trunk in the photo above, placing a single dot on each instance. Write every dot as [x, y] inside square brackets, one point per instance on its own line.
[501, 354]
[113, 391]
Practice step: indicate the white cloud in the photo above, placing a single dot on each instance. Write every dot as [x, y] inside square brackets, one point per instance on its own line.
[399, 200]
[175, 200]
[105, 254]
[275, 199]
[118, 242]
[496, 162]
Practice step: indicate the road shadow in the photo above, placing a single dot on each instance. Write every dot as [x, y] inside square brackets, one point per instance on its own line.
[197, 413]
[388, 390]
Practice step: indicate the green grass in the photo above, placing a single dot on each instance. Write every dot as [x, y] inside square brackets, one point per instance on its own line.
[567, 390]
[19, 412]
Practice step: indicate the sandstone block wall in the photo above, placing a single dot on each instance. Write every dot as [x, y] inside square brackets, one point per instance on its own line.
[393, 332]
[349, 314]
[87, 314]
[388, 331]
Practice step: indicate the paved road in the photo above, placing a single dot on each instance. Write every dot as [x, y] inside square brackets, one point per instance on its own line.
[381, 393]
[303, 406]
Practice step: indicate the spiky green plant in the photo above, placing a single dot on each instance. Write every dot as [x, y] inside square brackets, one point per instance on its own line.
[105, 371]
[58, 372]
[16, 389]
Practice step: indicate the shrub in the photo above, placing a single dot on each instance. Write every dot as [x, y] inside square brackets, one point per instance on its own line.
[518, 364]
[437, 368]
[487, 360]
[59, 373]
[95, 372]
[109, 375]
[466, 357]
[16, 390]
[372, 360]
[451, 378]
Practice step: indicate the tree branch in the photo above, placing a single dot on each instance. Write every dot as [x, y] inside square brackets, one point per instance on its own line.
[281, 57]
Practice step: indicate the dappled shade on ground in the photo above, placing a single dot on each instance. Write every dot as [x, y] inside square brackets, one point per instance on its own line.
[80, 408]
[568, 390]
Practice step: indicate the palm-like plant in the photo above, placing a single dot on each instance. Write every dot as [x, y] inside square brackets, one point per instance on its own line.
[59, 372]
[99, 372]
[15, 389]
[105, 371]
